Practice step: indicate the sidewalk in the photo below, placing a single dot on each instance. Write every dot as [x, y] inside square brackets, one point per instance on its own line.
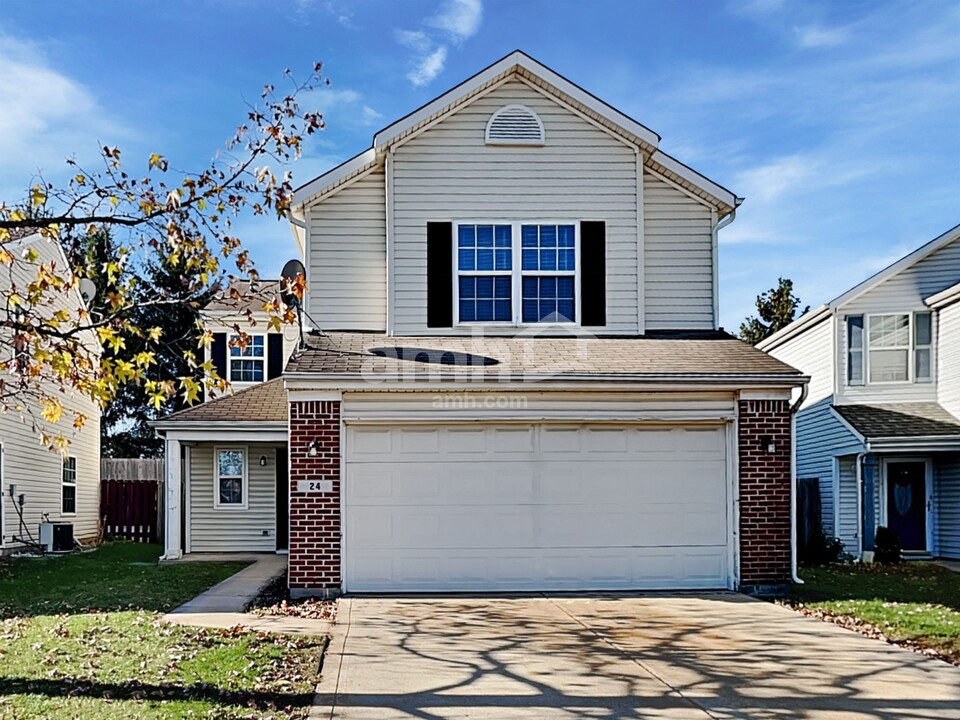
[222, 606]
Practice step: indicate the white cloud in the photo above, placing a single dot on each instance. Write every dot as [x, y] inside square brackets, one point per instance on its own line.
[370, 116]
[454, 22]
[428, 67]
[818, 37]
[46, 116]
[460, 19]
[772, 180]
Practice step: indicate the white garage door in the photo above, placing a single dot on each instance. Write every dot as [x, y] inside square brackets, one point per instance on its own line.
[535, 507]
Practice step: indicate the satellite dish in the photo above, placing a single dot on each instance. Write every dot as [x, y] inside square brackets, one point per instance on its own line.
[288, 276]
[88, 290]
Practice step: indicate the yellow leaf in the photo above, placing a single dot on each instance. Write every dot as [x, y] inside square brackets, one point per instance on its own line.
[37, 196]
[155, 333]
[52, 410]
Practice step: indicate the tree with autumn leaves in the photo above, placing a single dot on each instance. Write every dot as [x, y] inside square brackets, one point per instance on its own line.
[118, 227]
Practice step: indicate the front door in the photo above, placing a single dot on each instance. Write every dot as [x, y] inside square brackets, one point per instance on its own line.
[907, 503]
[283, 498]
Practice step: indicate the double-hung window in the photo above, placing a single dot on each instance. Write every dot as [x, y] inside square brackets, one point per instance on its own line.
[889, 348]
[231, 488]
[247, 360]
[68, 491]
[485, 273]
[516, 273]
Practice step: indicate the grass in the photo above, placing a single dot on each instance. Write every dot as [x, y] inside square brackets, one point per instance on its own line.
[916, 605]
[81, 636]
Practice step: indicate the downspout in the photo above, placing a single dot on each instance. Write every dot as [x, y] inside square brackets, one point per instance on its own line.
[793, 484]
[860, 457]
[715, 251]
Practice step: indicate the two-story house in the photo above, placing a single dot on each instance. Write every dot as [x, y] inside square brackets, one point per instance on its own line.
[515, 378]
[37, 484]
[879, 427]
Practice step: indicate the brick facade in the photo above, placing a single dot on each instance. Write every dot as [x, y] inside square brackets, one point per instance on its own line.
[314, 517]
[764, 494]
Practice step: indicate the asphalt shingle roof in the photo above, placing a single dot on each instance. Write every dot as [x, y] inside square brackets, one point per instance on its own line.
[900, 420]
[266, 402]
[710, 353]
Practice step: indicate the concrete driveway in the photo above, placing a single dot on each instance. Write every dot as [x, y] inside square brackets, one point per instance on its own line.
[717, 655]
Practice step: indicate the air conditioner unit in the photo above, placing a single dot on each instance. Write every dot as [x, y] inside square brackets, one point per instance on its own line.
[56, 536]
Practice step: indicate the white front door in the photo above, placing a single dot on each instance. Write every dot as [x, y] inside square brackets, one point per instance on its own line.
[535, 507]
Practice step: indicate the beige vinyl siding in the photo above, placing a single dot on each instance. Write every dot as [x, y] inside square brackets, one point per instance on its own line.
[448, 173]
[678, 258]
[233, 530]
[947, 502]
[811, 352]
[37, 471]
[347, 258]
[847, 524]
[948, 358]
[820, 438]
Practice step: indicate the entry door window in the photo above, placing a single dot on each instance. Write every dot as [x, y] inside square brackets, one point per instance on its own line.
[907, 503]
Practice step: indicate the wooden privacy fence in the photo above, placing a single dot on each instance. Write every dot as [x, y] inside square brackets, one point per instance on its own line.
[130, 499]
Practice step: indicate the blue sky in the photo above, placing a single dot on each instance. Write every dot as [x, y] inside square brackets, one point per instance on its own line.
[838, 121]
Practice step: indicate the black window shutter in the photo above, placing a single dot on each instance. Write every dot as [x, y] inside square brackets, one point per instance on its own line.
[439, 274]
[593, 273]
[274, 355]
[218, 353]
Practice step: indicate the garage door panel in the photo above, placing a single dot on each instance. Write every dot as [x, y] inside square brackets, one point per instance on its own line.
[535, 507]
[555, 569]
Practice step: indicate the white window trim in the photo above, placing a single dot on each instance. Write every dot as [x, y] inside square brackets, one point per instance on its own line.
[231, 358]
[911, 349]
[516, 274]
[245, 483]
[74, 484]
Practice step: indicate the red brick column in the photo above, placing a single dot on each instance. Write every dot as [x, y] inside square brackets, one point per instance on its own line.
[314, 517]
[764, 494]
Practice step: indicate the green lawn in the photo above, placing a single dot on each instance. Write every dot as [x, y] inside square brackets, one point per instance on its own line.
[915, 604]
[80, 636]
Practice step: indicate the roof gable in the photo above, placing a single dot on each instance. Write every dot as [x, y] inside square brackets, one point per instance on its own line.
[520, 66]
[812, 318]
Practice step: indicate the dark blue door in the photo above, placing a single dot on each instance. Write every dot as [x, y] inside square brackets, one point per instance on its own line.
[907, 503]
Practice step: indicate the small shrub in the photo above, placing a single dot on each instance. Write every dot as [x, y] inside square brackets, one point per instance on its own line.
[886, 547]
[822, 549]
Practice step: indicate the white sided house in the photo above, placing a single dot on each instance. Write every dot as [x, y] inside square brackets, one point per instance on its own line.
[880, 428]
[517, 380]
[38, 485]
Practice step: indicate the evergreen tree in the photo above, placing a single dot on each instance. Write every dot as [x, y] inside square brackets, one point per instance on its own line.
[777, 308]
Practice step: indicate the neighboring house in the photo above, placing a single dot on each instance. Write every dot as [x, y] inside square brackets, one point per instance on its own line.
[879, 428]
[520, 383]
[57, 487]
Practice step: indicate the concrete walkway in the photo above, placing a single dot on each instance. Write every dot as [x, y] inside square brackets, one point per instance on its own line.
[698, 656]
[951, 565]
[222, 606]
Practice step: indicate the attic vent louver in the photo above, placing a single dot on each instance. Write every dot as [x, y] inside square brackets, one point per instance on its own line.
[514, 125]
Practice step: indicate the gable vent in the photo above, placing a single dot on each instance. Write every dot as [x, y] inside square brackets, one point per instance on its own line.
[515, 125]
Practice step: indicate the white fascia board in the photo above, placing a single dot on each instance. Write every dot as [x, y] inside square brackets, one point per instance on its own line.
[321, 184]
[695, 179]
[929, 443]
[944, 297]
[222, 431]
[798, 326]
[522, 60]
[523, 416]
[900, 265]
[353, 382]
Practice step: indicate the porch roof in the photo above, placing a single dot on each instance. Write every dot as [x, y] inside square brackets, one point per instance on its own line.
[262, 403]
[900, 420]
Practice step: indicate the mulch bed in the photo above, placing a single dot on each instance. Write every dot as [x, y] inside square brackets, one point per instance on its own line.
[274, 600]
